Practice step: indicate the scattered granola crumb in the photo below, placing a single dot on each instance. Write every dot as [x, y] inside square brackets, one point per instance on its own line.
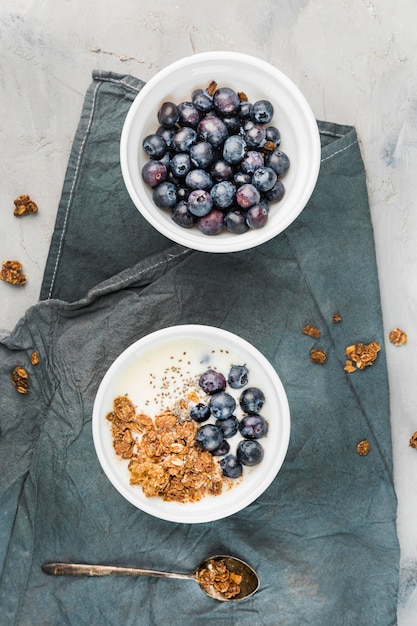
[11, 272]
[337, 318]
[218, 575]
[312, 331]
[20, 379]
[362, 355]
[363, 447]
[211, 87]
[269, 145]
[318, 356]
[349, 367]
[398, 337]
[413, 440]
[34, 358]
[24, 206]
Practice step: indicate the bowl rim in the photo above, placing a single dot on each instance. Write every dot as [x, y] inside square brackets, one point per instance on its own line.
[234, 243]
[210, 514]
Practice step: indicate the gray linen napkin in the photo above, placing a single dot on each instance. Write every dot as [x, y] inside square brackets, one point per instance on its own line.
[323, 535]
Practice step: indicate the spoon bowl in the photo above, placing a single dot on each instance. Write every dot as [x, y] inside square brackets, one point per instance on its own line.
[225, 578]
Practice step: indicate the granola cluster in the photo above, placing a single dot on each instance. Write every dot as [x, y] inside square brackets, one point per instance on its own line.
[20, 379]
[24, 206]
[363, 447]
[163, 456]
[34, 358]
[217, 575]
[413, 440]
[318, 356]
[398, 337]
[11, 272]
[361, 355]
[312, 331]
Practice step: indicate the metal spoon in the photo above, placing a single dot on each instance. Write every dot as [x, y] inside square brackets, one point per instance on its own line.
[248, 585]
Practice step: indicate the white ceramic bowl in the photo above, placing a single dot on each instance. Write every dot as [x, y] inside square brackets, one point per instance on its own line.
[182, 349]
[259, 80]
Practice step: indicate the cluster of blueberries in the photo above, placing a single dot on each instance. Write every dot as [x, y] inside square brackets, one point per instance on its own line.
[215, 161]
[221, 406]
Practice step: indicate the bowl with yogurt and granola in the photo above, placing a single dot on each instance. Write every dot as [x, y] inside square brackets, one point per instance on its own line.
[191, 423]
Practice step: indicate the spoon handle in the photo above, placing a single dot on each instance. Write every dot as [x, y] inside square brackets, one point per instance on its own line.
[83, 569]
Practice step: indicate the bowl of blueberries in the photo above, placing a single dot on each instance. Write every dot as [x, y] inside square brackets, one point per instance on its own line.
[191, 423]
[220, 151]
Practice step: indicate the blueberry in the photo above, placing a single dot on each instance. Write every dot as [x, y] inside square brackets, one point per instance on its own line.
[166, 134]
[165, 195]
[264, 178]
[202, 100]
[212, 223]
[202, 154]
[251, 400]
[247, 195]
[212, 381]
[252, 161]
[238, 376]
[200, 412]
[200, 202]
[253, 426]
[221, 170]
[257, 215]
[223, 194]
[209, 437]
[235, 222]
[171, 178]
[165, 159]
[182, 216]
[154, 146]
[241, 178]
[168, 114]
[222, 405]
[273, 135]
[279, 162]
[229, 426]
[183, 139]
[189, 115]
[231, 467]
[254, 134]
[199, 179]
[244, 110]
[232, 123]
[262, 111]
[183, 192]
[223, 449]
[234, 149]
[249, 452]
[276, 193]
[154, 172]
[180, 164]
[212, 129]
[225, 100]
